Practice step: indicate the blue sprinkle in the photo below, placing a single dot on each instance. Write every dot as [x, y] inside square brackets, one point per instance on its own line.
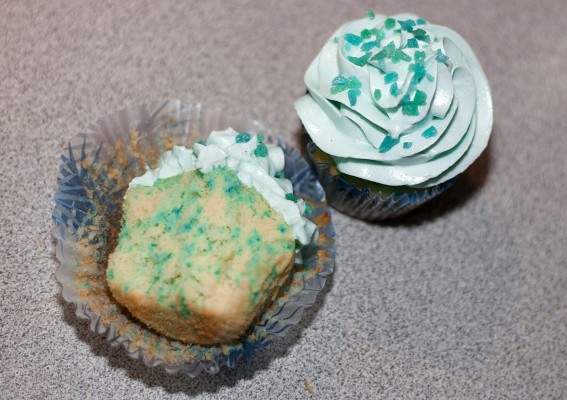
[419, 72]
[342, 83]
[353, 94]
[407, 25]
[243, 138]
[439, 56]
[377, 94]
[353, 39]
[412, 43]
[366, 34]
[410, 109]
[387, 144]
[261, 150]
[420, 98]
[407, 145]
[419, 56]
[360, 61]
[429, 132]
[394, 89]
[430, 77]
[420, 21]
[291, 197]
[202, 142]
[390, 77]
[368, 46]
[420, 34]
[389, 23]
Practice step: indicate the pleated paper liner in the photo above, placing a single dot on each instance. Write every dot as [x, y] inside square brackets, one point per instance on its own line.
[366, 200]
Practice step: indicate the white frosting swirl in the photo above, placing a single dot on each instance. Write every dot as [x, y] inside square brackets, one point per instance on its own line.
[397, 101]
[257, 165]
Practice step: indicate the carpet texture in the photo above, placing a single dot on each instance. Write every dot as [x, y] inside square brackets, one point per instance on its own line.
[464, 298]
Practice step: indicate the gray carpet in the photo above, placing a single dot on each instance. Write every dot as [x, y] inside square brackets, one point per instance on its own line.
[465, 298]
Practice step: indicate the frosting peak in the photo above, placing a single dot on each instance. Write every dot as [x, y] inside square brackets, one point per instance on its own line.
[397, 101]
[257, 165]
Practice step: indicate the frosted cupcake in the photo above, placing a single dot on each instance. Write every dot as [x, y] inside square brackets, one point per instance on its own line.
[396, 108]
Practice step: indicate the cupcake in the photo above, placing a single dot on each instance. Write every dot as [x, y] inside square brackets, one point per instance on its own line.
[145, 208]
[396, 109]
[208, 237]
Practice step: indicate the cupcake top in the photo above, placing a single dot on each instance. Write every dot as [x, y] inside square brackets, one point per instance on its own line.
[257, 165]
[397, 101]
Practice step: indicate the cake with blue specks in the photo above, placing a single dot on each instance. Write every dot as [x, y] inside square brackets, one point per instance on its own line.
[396, 109]
[208, 238]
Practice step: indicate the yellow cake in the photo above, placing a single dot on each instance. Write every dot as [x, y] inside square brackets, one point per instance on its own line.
[200, 254]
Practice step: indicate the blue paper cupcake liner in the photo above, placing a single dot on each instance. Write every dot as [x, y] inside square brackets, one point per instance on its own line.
[369, 202]
[95, 170]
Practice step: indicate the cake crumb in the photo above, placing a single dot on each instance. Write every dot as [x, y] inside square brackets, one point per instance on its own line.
[308, 386]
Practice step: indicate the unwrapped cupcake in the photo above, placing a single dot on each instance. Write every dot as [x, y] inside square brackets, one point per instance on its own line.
[208, 238]
[396, 108]
[191, 251]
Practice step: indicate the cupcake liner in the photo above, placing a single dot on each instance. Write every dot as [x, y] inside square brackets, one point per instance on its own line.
[367, 200]
[94, 173]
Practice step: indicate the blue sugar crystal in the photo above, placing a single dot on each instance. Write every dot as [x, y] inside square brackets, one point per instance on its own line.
[343, 82]
[439, 56]
[419, 56]
[420, 98]
[394, 91]
[390, 77]
[261, 150]
[353, 95]
[429, 132]
[389, 23]
[291, 197]
[412, 43]
[360, 61]
[420, 34]
[377, 94]
[368, 46]
[407, 25]
[243, 138]
[353, 39]
[410, 109]
[387, 144]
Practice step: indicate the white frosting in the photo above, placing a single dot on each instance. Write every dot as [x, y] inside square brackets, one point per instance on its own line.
[257, 171]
